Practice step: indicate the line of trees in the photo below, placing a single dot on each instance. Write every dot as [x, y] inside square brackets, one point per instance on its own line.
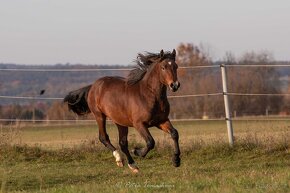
[240, 80]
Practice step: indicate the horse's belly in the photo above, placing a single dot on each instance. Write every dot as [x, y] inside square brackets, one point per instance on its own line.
[118, 114]
[121, 120]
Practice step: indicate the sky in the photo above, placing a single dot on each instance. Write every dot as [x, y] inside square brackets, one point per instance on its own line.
[113, 32]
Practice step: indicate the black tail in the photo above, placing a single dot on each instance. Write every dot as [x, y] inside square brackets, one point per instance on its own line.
[77, 100]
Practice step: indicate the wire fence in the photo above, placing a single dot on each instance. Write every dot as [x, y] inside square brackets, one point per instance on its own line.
[128, 69]
[170, 97]
[91, 69]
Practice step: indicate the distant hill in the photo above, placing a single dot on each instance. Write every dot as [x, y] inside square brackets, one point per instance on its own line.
[59, 83]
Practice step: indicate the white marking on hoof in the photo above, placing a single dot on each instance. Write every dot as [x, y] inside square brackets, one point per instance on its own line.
[133, 167]
[119, 160]
[120, 163]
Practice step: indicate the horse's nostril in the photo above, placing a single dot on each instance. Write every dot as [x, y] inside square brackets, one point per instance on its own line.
[171, 85]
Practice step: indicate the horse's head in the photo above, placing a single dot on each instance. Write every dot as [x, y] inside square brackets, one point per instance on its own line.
[168, 70]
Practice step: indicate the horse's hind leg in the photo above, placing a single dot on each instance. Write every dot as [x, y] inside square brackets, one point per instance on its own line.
[123, 142]
[104, 138]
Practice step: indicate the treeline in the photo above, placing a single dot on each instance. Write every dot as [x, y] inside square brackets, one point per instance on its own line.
[38, 111]
[251, 80]
[248, 80]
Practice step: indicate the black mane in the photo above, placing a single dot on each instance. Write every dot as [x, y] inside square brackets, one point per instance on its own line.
[143, 62]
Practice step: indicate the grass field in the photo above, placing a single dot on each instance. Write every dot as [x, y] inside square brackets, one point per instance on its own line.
[70, 159]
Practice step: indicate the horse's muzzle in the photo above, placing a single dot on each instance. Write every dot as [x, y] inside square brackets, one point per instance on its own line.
[174, 86]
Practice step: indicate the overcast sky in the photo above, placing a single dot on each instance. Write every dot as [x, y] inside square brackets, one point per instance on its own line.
[114, 31]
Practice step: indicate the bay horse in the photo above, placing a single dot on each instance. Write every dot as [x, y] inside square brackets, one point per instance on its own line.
[138, 101]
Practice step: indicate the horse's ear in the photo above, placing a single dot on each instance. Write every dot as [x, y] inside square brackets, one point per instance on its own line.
[161, 54]
[173, 53]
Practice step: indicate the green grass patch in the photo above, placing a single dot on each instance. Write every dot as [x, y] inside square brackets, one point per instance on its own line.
[212, 168]
[64, 158]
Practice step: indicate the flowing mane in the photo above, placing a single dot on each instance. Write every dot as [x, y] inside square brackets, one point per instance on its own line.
[143, 63]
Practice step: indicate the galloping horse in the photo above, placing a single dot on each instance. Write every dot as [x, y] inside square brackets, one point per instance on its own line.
[138, 101]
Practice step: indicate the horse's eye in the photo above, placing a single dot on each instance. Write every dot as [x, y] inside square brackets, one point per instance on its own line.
[163, 67]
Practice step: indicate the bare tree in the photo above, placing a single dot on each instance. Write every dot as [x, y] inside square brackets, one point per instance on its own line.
[254, 80]
[193, 81]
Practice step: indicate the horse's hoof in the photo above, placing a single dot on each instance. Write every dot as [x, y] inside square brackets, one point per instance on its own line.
[176, 161]
[120, 163]
[176, 164]
[136, 151]
[119, 159]
[133, 167]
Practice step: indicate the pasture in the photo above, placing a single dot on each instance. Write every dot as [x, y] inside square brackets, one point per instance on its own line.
[69, 158]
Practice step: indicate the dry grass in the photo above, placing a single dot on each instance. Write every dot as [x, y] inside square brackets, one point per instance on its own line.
[216, 167]
[71, 159]
[8, 135]
[264, 133]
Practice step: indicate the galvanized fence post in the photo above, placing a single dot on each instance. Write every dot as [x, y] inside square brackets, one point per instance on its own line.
[227, 105]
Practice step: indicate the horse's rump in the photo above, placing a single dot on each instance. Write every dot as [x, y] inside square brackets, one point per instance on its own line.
[111, 95]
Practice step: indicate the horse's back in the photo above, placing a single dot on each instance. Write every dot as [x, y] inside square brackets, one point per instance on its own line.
[108, 87]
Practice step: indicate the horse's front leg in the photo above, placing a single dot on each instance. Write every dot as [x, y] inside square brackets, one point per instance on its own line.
[145, 134]
[168, 128]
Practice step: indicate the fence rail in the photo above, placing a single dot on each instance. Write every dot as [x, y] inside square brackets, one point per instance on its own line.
[128, 69]
[170, 96]
[257, 94]
[259, 118]
[90, 69]
[31, 97]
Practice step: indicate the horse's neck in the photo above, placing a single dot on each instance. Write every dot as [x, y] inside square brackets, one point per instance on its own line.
[152, 86]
